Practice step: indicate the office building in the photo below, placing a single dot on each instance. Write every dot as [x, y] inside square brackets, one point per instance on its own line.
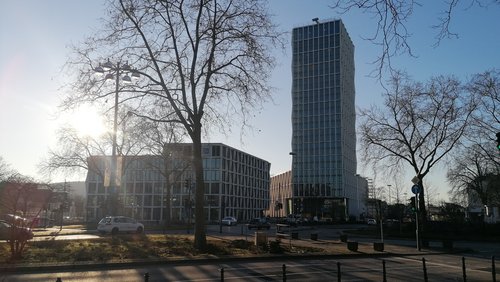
[157, 190]
[323, 121]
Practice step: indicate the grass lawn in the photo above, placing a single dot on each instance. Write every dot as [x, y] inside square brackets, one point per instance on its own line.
[129, 247]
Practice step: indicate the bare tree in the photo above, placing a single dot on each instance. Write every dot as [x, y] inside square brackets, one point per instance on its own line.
[472, 175]
[418, 125]
[392, 33]
[21, 196]
[159, 139]
[486, 120]
[475, 171]
[5, 169]
[73, 152]
[203, 64]
[71, 156]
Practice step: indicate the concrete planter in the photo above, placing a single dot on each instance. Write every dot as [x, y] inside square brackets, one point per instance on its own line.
[352, 246]
[378, 246]
[260, 238]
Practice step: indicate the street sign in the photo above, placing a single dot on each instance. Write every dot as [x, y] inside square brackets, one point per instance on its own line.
[415, 189]
[415, 180]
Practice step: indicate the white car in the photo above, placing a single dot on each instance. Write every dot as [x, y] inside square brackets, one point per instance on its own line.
[371, 221]
[229, 220]
[115, 224]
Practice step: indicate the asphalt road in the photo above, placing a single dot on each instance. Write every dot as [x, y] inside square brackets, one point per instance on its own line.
[438, 268]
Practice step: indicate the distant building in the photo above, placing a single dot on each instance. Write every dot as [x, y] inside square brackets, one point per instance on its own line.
[477, 210]
[157, 190]
[323, 122]
[281, 195]
[74, 195]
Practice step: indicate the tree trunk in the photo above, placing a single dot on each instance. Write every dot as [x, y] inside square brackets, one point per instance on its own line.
[200, 240]
[422, 211]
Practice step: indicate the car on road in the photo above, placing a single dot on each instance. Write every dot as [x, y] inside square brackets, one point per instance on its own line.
[229, 221]
[371, 221]
[8, 231]
[258, 223]
[116, 224]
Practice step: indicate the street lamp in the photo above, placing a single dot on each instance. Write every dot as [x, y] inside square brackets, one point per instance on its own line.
[357, 196]
[389, 191]
[115, 71]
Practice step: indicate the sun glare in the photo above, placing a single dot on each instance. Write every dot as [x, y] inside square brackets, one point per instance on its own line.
[87, 122]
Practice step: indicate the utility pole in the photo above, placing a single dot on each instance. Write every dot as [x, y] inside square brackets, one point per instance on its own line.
[63, 204]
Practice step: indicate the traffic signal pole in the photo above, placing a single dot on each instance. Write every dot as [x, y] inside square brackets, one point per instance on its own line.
[417, 222]
[498, 140]
[416, 189]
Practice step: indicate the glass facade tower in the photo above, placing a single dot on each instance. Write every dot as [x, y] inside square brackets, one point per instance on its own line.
[323, 120]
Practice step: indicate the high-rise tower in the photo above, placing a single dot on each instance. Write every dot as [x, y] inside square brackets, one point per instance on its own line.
[323, 120]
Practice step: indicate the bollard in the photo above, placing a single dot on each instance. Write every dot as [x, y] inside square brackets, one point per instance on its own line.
[58, 279]
[493, 270]
[425, 270]
[463, 269]
[222, 274]
[339, 277]
[284, 273]
[146, 277]
[384, 274]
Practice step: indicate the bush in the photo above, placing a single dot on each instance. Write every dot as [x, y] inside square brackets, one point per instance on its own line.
[275, 247]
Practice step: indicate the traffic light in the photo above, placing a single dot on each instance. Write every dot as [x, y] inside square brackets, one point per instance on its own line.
[498, 140]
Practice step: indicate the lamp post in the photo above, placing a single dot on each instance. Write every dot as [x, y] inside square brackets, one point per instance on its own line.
[115, 71]
[389, 195]
[357, 196]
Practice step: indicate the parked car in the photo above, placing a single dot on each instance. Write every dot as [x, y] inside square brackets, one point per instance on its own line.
[293, 220]
[20, 233]
[258, 223]
[371, 221]
[115, 224]
[15, 220]
[229, 220]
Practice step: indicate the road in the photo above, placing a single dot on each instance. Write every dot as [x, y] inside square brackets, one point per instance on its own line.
[439, 268]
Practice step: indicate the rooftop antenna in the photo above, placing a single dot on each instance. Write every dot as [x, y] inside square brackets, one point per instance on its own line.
[316, 20]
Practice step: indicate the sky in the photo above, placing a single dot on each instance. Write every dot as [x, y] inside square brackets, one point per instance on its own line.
[34, 36]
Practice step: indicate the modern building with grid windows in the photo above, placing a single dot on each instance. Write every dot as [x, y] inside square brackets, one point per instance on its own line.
[155, 190]
[323, 121]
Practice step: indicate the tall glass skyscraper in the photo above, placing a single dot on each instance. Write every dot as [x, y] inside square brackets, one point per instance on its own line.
[323, 120]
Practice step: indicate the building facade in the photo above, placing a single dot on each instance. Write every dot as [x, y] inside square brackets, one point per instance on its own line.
[323, 121]
[281, 195]
[157, 189]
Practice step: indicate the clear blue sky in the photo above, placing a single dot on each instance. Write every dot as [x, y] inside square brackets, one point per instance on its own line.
[34, 35]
